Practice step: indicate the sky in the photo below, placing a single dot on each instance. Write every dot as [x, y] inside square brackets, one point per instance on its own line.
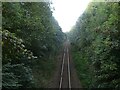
[67, 12]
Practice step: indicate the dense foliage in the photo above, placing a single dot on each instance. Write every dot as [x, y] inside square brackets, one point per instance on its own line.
[95, 42]
[29, 35]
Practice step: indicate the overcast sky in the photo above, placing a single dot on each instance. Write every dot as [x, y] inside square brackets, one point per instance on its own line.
[67, 12]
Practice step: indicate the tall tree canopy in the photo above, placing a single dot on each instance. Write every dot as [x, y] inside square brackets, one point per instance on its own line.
[96, 45]
[29, 34]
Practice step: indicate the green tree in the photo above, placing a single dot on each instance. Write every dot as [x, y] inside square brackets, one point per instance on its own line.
[30, 33]
[96, 45]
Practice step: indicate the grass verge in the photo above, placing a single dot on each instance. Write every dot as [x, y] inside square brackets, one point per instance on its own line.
[83, 68]
[42, 72]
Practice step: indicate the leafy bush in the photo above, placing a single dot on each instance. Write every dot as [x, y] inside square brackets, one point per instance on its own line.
[16, 60]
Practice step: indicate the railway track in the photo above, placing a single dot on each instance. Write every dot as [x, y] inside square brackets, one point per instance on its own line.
[65, 75]
[65, 80]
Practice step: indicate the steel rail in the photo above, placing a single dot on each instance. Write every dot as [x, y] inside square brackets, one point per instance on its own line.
[69, 81]
[62, 70]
